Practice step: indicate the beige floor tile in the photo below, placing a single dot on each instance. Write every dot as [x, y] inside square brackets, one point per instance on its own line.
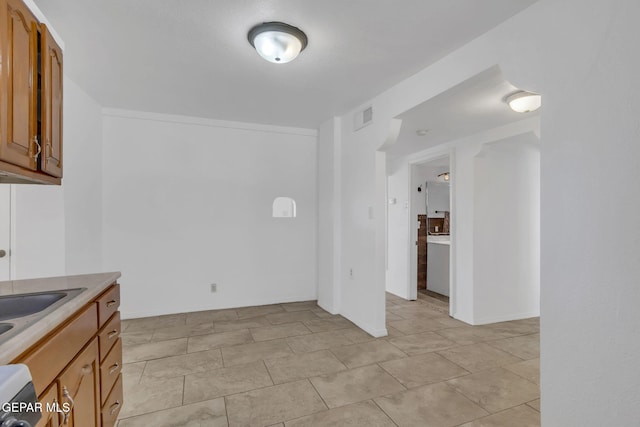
[418, 312]
[367, 353]
[393, 333]
[234, 325]
[359, 414]
[290, 317]
[423, 369]
[466, 335]
[184, 364]
[415, 326]
[183, 331]
[496, 389]
[391, 316]
[525, 347]
[261, 310]
[133, 338]
[247, 353]
[153, 350]
[279, 331]
[152, 396]
[449, 322]
[323, 314]
[529, 370]
[535, 404]
[300, 306]
[421, 343]
[478, 357]
[435, 405]
[211, 413]
[225, 381]
[515, 328]
[274, 404]
[520, 416]
[356, 335]
[325, 325]
[132, 372]
[211, 316]
[319, 341]
[355, 385]
[303, 365]
[155, 322]
[223, 339]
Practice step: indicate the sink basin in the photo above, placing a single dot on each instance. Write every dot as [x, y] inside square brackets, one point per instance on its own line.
[15, 306]
[23, 310]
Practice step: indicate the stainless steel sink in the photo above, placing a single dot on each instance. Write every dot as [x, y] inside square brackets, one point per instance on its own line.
[5, 327]
[14, 306]
[22, 310]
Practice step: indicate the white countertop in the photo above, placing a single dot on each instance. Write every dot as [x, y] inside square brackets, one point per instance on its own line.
[439, 240]
[95, 284]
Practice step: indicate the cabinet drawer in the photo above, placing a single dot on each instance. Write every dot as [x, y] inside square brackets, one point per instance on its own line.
[108, 304]
[108, 336]
[110, 369]
[51, 356]
[111, 408]
[49, 399]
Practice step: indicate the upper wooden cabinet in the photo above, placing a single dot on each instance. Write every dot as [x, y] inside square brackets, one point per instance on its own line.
[30, 98]
[51, 61]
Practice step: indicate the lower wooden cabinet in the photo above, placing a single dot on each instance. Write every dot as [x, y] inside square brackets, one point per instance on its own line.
[66, 366]
[49, 399]
[78, 386]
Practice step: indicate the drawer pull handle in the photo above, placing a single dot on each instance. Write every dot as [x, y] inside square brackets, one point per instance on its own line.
[111, 303]
[115, 407]
[114, 368]
[112, 334]
[67, 395]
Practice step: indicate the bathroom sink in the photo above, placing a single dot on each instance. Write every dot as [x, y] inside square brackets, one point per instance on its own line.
[23, 310]
[14, 306]
[5, 327]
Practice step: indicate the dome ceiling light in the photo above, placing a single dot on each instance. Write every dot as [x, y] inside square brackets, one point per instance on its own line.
[277, 42]
[524, 102]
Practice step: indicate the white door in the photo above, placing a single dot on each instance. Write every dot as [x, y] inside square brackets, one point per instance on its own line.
[5, 231]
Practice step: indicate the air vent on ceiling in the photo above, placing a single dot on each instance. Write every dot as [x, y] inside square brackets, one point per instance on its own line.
[363, 118]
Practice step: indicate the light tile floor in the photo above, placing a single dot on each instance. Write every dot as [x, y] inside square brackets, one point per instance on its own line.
[297, 365]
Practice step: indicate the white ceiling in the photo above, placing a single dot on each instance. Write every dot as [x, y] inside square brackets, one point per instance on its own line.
[472, 106]
[192, 57]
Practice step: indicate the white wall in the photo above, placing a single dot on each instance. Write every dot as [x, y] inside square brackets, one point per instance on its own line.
[329, 238]
[506, 262]
[576, 53]
[38, 239]
[187, 202]
[82, 183]
[398, 240]
[57, 229]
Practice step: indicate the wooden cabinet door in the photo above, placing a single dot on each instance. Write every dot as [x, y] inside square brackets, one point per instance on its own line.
[18, 85]
[78, 385]
[51, 101]
[49, 400]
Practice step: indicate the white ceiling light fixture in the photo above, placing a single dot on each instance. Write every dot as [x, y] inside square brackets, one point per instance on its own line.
[422, 132]
[524, 102]
[277, 42]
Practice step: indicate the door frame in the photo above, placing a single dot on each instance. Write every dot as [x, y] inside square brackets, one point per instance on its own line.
[413, 163]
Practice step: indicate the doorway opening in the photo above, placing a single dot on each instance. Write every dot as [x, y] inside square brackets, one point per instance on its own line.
[432, 201]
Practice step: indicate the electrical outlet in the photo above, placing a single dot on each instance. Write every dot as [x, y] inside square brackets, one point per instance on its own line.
[214, 287]
[351, 273]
